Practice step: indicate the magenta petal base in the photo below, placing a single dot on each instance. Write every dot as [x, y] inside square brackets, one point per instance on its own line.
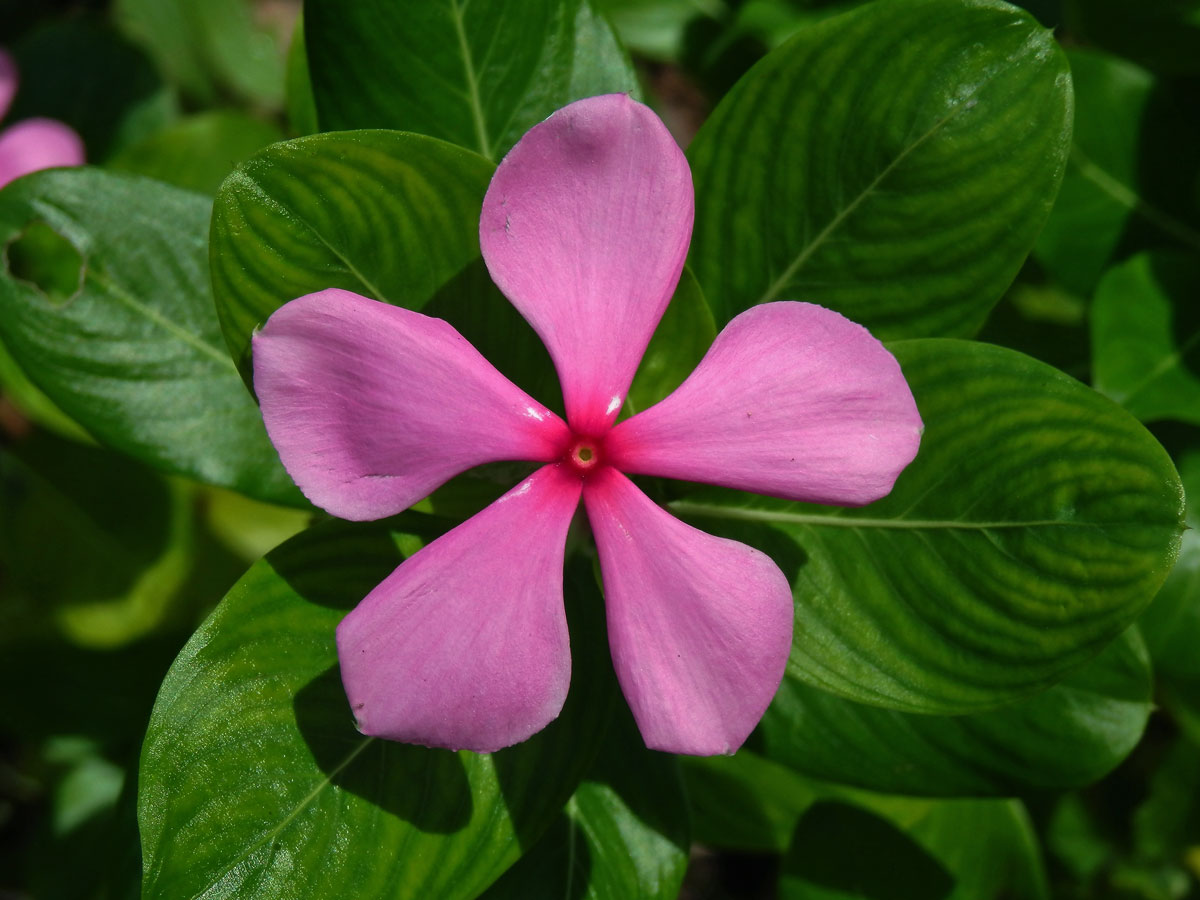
[792, 400]
[700, 627]
[465, 645]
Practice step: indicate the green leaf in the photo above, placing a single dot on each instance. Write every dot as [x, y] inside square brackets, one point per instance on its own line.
[622, 836]
[894, 163]
[1036, 522]
[1099, 190]
[683, 336]
[81, 72]
[198, 152]
[1146, 336]
[388, 215]
[1069, 735]
[88, 539]
[745, 802]
[208, 48]
[252, 770]
[1171, 625]
[826, 860]
[988, 846]
[134, 355]
[478, 75]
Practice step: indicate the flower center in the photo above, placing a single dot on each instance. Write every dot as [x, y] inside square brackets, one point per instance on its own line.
[584, 455]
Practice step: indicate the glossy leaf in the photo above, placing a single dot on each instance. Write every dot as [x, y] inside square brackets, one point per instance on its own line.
[1172, 623]
[135, 354]
[1146, 337]
[252, 770]
[198, 152]
[477, 75]
[622, 836]
[387, 215]
[1069, 735]
[894, 163]
[1099, 190]
[1036, 522]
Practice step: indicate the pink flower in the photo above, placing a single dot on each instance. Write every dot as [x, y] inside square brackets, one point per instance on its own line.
[584, 228]
[33, 144]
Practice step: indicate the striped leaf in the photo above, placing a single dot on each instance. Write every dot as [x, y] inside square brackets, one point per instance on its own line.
[255, 783]
[1067, 736]
[104, 304]
[388, 215]
[1036, 522]
[894, 163]
[476, 74]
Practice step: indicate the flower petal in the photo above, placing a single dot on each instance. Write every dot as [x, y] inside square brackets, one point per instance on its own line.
[36, 144]
[465, 645]
[584, 228]
[372, 406]
[792, 400]
[700, 627]
[8, 82]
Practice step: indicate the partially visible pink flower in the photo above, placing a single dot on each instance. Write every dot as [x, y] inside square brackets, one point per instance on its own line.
[584, 228]
[32, 144]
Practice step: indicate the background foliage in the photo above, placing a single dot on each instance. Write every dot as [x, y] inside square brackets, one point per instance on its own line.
[995, 686]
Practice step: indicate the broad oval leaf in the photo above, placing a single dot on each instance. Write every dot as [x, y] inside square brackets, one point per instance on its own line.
[894, 163]
[476, 74]
[254, 780]
[1146, 336]
[623, 835]
[134, 352]
[1171, 625]
[1036, 522]
[388, 215]
[1067, 736]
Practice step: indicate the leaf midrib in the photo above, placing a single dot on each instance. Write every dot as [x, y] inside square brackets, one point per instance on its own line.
[457, 12]
[1171, 361]
[686, 507]
[806, 253]
[121, 295]
[300, 807]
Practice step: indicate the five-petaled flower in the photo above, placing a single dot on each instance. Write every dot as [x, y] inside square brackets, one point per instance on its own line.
[32, 144]
[584, 228]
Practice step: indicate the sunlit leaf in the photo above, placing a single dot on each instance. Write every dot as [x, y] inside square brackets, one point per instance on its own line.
[1036, 523]
[894, 163]
[252, 769]
[476, 74]
[134, 354]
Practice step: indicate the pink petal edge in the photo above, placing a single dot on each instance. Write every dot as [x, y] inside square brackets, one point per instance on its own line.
[8, 81]
[700, 627]
[792, 400]
[585, 227]
[372, 406]
[35, 144]
[465, 645]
